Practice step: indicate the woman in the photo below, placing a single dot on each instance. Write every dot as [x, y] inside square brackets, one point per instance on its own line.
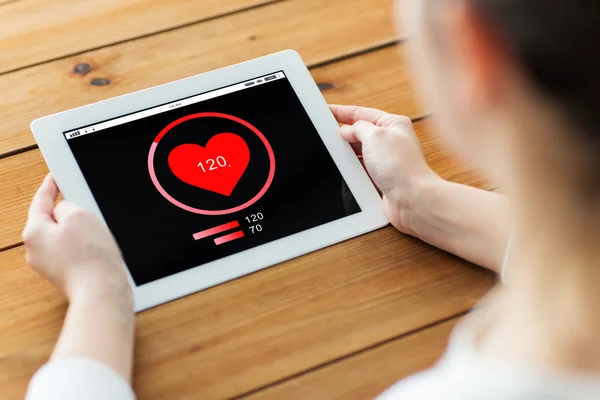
[515, 87]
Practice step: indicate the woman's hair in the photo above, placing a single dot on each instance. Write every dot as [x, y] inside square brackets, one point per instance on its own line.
[557, 43]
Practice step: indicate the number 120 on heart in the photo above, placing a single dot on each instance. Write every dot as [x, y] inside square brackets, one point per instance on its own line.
[213, 164]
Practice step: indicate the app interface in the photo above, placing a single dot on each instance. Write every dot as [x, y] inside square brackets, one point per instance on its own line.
[199, 179]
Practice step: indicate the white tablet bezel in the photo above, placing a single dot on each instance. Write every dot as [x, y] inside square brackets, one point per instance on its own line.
[48, 132]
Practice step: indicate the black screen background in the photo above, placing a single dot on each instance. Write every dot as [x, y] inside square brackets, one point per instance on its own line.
[155, 236]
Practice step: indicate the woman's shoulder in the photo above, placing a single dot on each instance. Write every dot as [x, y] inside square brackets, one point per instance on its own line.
[462, 374]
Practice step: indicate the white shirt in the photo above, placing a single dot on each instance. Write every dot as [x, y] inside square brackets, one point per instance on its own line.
[78, 379]
[461, 374]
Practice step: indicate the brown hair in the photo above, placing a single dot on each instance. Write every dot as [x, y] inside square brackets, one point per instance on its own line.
[557, 42]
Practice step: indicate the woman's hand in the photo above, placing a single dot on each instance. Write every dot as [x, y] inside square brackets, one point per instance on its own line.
[71, 247]
[77, 253]
[391, 154]
[471, 223]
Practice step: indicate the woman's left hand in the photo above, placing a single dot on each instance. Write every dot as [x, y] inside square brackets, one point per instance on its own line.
[77, 253]
[71, 247]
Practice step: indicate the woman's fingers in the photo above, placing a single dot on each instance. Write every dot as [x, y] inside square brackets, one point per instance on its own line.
[63, 210]
[43, 201]
[347, 133]
[350, 115]
[40, 211]
[360, 132]
[363, 131]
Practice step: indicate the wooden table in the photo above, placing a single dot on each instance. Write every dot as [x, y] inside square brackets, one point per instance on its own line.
[344, 322]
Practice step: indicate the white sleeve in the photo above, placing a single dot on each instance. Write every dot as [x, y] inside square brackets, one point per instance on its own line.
[76, 379]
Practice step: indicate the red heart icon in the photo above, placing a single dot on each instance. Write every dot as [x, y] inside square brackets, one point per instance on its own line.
[217, 167]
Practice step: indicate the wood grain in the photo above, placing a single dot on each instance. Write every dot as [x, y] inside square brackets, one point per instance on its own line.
[367, 374]
[259, 329]
[35, 31]
[353, 81]
[378, 79]
[318, 32]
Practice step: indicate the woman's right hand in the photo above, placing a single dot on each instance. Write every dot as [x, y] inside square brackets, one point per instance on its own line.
[391, 154]
[71, 247]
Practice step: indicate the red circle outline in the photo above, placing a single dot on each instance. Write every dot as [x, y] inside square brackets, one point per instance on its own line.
[185, 207]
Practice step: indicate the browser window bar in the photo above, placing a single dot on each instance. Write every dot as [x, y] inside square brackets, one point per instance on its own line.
[176, 104]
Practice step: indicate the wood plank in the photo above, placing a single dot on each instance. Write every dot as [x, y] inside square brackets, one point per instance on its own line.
[34, 92]
[368, 374]
[357, 81]
[35, 31]
[19, 178]
[259, 329]
[378, 79]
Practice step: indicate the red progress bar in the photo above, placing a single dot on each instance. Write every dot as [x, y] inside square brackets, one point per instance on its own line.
[229, 238]
[215, 230]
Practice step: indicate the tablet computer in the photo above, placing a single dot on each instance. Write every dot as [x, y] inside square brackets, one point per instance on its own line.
[212, 177]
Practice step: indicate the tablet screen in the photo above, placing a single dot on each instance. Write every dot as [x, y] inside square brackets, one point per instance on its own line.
[208, 176]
